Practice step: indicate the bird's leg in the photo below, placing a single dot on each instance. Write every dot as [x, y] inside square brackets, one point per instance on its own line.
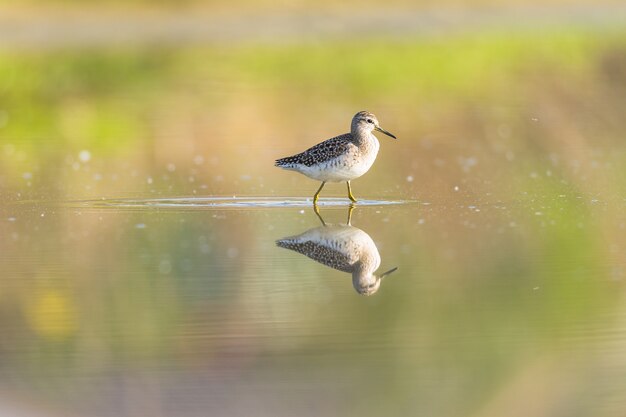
[350, 209]
[317, 213]
[317, 194]
[350, 196]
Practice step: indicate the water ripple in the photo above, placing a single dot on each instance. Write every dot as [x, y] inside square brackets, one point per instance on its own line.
[204, 203]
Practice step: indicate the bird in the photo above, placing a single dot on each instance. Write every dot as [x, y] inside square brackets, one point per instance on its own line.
[342, 247]
[342, 158]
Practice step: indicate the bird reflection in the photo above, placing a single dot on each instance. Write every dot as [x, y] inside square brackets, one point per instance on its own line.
[342, 247]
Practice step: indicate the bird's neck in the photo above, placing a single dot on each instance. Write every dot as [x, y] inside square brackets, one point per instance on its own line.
[363, 137]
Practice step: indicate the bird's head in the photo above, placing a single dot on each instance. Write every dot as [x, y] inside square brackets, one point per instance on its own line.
[368, 284]
[366, 121]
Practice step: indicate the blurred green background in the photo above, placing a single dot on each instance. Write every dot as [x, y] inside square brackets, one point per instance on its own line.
[511, 151]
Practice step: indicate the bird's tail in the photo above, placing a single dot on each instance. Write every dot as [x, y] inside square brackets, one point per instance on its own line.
[285, 163]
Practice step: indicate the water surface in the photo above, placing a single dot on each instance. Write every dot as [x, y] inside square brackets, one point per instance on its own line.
[193, 312]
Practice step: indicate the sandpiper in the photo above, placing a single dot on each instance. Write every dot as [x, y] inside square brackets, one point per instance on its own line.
[342, 247]
[342, 158]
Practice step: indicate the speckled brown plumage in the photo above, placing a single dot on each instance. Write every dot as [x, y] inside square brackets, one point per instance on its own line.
[322, 152]
[318, 252]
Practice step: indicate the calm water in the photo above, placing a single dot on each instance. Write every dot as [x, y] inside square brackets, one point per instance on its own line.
[113, 310]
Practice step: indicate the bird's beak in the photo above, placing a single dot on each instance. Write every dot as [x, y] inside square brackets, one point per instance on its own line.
[381, 130]
[384, 274]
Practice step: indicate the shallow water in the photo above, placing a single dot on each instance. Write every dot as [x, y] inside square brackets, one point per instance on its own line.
[161, 310]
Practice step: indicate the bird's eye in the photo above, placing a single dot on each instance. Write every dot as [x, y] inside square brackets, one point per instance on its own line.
[370, 121]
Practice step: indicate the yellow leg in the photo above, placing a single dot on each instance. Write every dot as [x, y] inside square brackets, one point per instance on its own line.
[317, 194]
[350, 196]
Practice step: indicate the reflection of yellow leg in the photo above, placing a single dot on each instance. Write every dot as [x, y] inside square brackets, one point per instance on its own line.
[317, 194]
[350, 196]
[350, 209]
[317, 213]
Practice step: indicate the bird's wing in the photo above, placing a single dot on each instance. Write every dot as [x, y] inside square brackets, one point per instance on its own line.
[318, 252]
[324, 151]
